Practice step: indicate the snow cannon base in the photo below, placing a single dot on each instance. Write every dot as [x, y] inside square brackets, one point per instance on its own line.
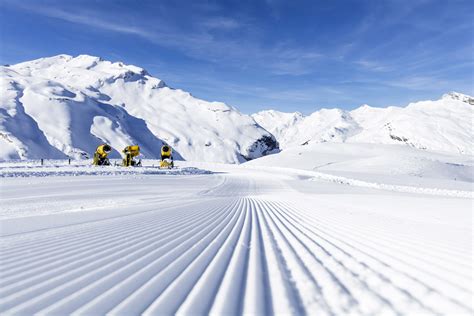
[131, 163]
[166, 164]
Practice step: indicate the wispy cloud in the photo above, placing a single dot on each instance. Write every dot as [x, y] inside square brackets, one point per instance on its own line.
[372, 65]
[196, 41]
[252, 53]
[88, 18]
[221, 23]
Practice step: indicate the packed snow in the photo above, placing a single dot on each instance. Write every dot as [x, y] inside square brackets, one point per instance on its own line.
[277, 235]
[441, 125]
[66, 106]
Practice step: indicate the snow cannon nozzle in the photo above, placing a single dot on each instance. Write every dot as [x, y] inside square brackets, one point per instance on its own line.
[107, 148]
[132, 149]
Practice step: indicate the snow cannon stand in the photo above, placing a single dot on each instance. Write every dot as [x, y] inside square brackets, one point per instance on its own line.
[166, 164]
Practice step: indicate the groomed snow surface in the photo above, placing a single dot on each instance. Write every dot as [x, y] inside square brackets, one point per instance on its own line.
[273, 236]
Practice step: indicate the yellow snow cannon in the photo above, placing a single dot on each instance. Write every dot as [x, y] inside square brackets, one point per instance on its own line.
[166, 157]
[100, 155]
[130, 153]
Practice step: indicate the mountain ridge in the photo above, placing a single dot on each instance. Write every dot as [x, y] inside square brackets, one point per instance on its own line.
[69, 105]
[439, 125]
[64, 106]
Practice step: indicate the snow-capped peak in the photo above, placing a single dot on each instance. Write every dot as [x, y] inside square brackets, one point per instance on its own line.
[64, 105]
[67, 66]
[459, 96]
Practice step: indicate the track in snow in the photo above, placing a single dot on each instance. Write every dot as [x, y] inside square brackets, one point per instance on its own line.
[232, 248]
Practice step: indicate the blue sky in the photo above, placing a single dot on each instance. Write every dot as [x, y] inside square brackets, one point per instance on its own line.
[285, 55]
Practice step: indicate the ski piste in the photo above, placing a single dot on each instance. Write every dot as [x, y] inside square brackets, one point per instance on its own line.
[227, 239]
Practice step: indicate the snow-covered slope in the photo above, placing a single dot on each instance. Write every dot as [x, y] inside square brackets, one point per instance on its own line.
[321, 126]
[247, 239]
[278, 123]
[375, 164]
[65, 106]
[442, 125]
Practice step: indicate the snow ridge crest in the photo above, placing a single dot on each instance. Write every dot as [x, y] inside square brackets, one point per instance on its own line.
[459, 96]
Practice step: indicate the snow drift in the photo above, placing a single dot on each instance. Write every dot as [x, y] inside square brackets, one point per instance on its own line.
[442, 125]
[66, 106]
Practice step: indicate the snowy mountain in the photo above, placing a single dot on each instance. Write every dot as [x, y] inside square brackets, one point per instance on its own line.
[442, 125]
[65, 106]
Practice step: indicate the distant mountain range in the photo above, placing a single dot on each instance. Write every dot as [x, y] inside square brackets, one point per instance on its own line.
[442, 125]
[66, 106]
